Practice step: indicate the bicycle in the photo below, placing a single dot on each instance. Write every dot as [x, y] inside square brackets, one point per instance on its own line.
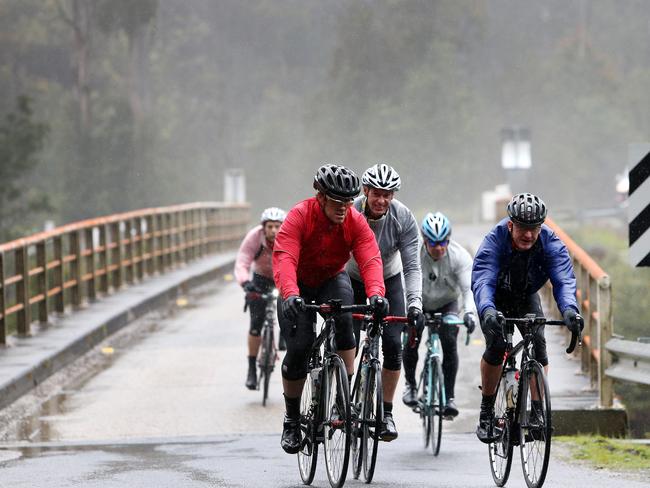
[431, 385]
[368, 397]
[523, 405]
[268, 352]
[325, 401]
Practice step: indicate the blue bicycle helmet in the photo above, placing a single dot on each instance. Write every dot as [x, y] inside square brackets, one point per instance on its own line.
[436, 227]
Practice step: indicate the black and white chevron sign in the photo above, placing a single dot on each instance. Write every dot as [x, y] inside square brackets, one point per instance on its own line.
[639, 204]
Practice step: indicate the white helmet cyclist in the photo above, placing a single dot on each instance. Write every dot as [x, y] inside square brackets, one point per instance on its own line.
[381, 176]
[274, 214]
[436, 227]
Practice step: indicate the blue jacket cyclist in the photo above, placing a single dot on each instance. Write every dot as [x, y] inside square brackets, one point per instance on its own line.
[513, 262]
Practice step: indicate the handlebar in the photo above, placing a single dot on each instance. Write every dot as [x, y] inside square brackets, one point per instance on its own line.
[533, 320]
[334, 307]
[390, 318]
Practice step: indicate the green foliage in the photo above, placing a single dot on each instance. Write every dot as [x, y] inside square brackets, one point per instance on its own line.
[602, 452]
[21, 140]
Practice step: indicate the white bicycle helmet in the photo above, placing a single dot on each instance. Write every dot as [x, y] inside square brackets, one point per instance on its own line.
[381, 176]
[436, 227]
[274, 214]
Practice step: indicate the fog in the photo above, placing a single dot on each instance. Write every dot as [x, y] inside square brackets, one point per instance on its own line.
[147, 103]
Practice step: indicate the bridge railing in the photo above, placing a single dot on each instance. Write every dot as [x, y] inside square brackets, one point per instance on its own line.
[50, 271]
[594, 293]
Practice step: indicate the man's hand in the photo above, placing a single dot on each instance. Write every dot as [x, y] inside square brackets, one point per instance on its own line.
[415, 318]
[379, 305]
[292, 306]
[573, 321]
[490, 319]
[249, 287]
[470, 322]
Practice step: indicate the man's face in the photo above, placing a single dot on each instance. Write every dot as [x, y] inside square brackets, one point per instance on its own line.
[271, 228]
[378, 201]
[436, 249]
[523, 236]
[334, 209]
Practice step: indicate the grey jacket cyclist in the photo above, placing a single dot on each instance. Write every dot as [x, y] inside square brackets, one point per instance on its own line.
[446, 289]
[396, 231]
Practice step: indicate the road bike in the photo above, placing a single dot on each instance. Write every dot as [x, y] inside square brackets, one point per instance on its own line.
[368, 397]
[522, 415]
[325, 414]
[268, 352]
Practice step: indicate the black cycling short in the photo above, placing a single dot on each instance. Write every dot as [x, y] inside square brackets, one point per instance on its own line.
[300, 340]
[257, 305]
[495, 344]
[391, 338]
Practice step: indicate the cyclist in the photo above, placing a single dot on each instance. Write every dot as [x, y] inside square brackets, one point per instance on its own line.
[446, 277]
[513, 262]
[309, 256]
[396, 231]
[255, 254]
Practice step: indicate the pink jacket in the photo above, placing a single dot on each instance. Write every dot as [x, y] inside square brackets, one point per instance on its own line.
[254, 244]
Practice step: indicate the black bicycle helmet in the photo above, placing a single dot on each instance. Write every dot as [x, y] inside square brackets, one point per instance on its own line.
[527, 209]
[337, 181]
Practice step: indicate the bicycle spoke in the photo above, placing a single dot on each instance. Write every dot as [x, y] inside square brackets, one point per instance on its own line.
[500, 451]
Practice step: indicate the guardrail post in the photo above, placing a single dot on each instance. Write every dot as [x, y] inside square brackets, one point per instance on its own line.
[116, 255]
[75, 267]
[149, 246]
[128, 251]
[593, 332]
[22, 292]
[91, 271]
[605, 329]
[41, 262]
[59, 296]
[3, 309]
[103, 260]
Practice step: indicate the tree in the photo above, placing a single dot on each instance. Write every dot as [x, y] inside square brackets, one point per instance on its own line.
[21, 140]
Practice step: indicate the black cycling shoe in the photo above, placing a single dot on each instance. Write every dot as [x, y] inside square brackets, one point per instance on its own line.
[410, 395]
[451, 410]
[389, 431]
[485, 427]
[251, 379]
[291, 438]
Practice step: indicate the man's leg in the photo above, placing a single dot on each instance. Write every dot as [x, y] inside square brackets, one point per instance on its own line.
[448, 341]
[257, 308]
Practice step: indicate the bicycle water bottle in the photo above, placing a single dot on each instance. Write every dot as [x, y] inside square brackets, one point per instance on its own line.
[315, 383]
[511, 387]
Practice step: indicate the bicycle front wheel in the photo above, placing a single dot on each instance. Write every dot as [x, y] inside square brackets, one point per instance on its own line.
[266, 362]
[336, 424]
[437, 406]
[535, 425]
[373, 417]
[500, 450]
[424, 403]
[357, 432]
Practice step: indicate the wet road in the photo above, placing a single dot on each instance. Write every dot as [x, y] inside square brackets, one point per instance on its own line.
[165, 406]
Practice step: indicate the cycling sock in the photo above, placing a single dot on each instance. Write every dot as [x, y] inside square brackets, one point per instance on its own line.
[292, 406]
[487, 402]
[388, 407]
[251, 362]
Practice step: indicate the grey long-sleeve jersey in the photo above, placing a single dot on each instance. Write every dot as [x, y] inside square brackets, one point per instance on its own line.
[397, 236]
[443, 281]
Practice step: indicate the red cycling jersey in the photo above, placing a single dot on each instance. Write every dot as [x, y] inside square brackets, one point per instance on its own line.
[310, 249]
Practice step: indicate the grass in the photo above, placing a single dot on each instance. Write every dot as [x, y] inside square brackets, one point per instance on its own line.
[602, 452]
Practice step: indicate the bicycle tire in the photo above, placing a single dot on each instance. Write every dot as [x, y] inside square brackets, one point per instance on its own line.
[437, 406]
[267, 362]
[535, 433]
[336, 425]
[355, 443]
[372, 420]
[500, 451]
[308, 454]
[424, 404]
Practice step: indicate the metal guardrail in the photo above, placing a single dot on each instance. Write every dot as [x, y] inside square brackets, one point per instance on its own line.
[594, 293]
[48, 271]
[632, 361]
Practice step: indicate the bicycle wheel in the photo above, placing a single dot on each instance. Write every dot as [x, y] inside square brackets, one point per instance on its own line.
[308, 454]
[356, 433]
[424, 403]
[535, 425]
[373, 416]
[437, 406]
[336, 425]
[500, 451]
[266, 363]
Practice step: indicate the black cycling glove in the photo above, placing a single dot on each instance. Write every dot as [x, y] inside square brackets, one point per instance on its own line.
[292, 306]
[470, 322]
[415, 318]
[248, 286]
[379, 305]
[573, 321]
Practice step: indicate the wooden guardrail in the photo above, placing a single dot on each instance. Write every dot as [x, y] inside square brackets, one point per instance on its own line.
[49, 271]
[594, 293]
[631, 361]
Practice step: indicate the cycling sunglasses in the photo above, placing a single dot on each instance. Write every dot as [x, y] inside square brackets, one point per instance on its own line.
[346, 202]
[443, 243]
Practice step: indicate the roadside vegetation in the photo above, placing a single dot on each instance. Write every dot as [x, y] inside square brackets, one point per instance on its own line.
[604, 453]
